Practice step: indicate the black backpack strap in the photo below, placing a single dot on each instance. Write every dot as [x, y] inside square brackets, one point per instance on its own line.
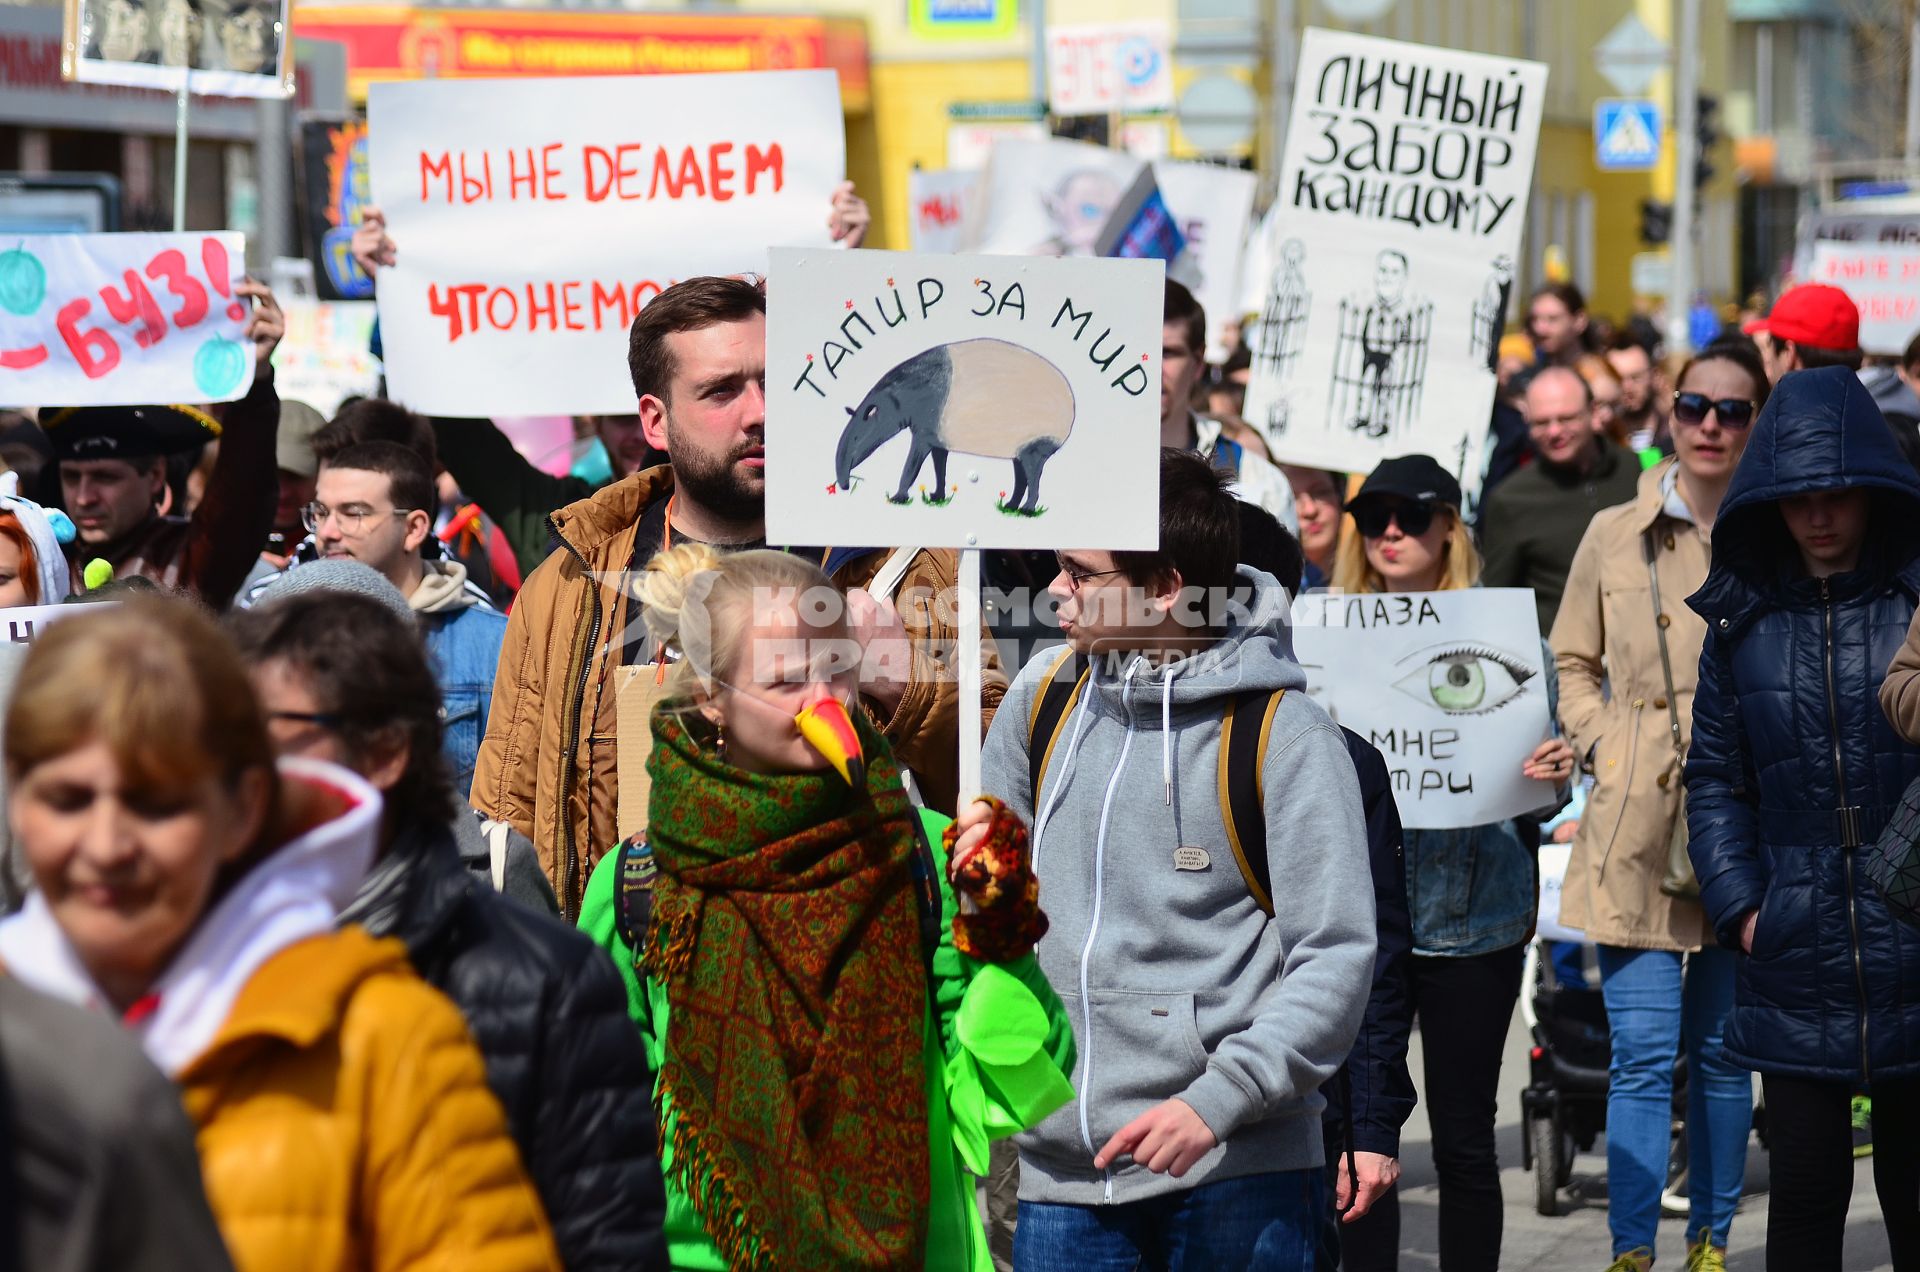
[633, 894]
[926, 891]
[1243, 747]
[1051, 708]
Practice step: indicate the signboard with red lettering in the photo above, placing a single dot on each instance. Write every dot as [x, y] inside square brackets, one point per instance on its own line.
[937, 208]
[1402, 203]
[1883, 279]
[105, 319]
[1109, 67]
[533, 220]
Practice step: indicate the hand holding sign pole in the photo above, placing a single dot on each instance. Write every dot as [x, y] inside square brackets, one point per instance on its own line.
[963, 402]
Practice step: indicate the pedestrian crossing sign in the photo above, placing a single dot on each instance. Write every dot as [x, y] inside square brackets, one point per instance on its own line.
[1626, 134]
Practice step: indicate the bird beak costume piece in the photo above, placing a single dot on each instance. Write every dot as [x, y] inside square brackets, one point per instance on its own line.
[829, 730]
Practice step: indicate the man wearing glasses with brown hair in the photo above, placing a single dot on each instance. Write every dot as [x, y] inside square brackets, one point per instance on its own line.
[373, 503]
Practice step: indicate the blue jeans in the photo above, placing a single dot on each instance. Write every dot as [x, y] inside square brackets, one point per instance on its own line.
[1649, 1006]
[1263, 1223]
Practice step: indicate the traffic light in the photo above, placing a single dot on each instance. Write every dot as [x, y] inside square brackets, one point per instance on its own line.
[1656, 222]
[1706, 135]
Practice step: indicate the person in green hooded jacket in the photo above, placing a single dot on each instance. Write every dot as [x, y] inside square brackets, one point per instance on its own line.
[838, 1025]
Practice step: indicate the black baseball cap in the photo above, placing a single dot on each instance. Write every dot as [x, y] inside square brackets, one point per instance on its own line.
[1415, 478]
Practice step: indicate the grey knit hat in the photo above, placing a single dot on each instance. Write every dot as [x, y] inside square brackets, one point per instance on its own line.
[334, 575]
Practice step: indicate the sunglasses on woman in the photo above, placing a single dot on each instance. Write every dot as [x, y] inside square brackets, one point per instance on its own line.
[1373, 517]
[1692, 408]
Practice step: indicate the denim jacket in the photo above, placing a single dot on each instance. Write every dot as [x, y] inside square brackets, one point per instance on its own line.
[464, 646]
[1475, 889]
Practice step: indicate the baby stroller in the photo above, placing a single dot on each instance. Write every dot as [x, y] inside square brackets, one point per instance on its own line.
[1565, 1101]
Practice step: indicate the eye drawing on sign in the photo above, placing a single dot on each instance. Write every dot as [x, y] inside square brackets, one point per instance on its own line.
[1463, 680]
[1281, 331]
[1380, 359]
[980, 397]
[1490, 314]
[1078, 208]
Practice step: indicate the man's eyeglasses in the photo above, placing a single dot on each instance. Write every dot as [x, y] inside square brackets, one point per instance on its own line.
[1373, 517]
[1077, 576]
[1692, 408]
[352, 520]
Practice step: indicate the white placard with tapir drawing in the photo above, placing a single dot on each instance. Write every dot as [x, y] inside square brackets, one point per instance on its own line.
[1450, 686]
[963, 401]
[1402, 201]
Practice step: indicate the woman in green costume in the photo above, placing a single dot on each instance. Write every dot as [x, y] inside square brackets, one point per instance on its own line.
[840, 1014]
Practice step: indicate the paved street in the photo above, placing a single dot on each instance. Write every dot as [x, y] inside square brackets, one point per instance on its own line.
[1576, 1238]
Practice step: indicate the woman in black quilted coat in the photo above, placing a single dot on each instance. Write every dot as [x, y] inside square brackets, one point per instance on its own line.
[1792, 773]
[344, 678]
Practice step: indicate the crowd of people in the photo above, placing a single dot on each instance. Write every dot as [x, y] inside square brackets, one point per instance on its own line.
[317, 793]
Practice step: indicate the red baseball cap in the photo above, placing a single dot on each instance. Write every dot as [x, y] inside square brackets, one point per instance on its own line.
[1815, 315]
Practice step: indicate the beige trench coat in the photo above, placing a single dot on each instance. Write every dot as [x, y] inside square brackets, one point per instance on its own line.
[1606, 631]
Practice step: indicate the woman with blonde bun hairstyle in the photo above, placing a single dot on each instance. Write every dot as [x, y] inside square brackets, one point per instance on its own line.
[839, 1025]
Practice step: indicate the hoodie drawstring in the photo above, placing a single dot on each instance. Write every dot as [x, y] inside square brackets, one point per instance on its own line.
[1166, 732]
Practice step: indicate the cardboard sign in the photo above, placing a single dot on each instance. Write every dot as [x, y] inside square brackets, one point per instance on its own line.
[106, 319]
[535, 218]
[1883, 279]
[963, 401]
[23, 623]
[633, 706]
[1403, 198]
[233, 48]
[937, 208]
[1048, 198]
[1212, 206]
[1451, 686]
[333, 189]
[324, 357]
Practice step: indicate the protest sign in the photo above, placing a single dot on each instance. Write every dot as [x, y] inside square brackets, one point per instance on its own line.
[1451, 686]
[324, 359]
[1141, 223]
[1047, 198]
[1883, 279]
[937, 205]
[1109, 67]
[1404, 188]
[536, 217]
[333, 189]
[962, 401]
[23, 623]
[233, 48]
[1212, 206]
[105, 319]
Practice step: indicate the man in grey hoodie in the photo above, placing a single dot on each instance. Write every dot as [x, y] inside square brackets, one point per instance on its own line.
[1207, 1016]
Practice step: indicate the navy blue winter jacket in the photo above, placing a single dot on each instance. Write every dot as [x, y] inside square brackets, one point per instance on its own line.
[1374, 1080]
[1793, 768]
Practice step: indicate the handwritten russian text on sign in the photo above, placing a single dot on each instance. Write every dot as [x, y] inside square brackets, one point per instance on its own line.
[1451, 686]
[534, 223]
[1883, 279]
[1111, 66]
[937, 208]
[101, 319]
[22, 624]
[1403, 197]
[963, 401]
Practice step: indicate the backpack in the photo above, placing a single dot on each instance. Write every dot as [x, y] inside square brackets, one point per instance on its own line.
[1244, 729]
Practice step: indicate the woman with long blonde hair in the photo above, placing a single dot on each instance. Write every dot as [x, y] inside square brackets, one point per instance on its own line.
[840, 1016]
[1470, 889]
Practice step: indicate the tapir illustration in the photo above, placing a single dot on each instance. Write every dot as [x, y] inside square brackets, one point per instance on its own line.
[979, 397]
